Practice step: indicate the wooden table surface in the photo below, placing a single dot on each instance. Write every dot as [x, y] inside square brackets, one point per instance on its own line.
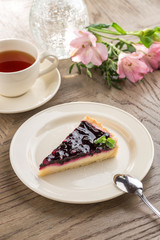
[26, 215]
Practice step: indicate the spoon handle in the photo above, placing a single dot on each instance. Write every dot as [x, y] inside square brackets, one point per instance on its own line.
[145, 200]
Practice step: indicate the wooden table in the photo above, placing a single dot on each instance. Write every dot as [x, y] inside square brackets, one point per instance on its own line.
[27, 215]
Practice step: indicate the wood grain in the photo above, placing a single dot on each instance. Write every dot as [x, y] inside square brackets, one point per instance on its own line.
[26, 215]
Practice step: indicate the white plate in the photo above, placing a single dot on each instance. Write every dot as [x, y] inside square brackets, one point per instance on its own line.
[39, 135]
[42, 91]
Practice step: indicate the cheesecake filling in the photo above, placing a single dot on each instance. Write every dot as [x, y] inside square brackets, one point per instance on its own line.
[80, 143]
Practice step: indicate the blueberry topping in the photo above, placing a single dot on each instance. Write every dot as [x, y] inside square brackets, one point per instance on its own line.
[78, 144]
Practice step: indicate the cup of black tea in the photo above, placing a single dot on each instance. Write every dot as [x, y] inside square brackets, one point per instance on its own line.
[20, 66]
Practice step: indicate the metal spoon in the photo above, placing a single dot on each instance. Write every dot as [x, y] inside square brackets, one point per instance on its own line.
[129, 184]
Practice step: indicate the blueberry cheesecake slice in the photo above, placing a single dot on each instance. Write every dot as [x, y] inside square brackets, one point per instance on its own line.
[88, 143]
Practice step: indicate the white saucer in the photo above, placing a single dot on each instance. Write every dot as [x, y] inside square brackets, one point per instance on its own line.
[35, 139]
[42, 91]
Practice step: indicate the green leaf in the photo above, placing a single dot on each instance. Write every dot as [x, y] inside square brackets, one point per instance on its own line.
[120, 44]
[116, 80]
[99, 26]
[110, 143]
[102, 139]
[156, 36]
[82, 65]
[90, 65]
[157, 28]
[148, 32]
[118, 28]
[117, 86]
[146, 41]
[131, 48]
[110, 52]
[108, 78]
[89, 73]
[78, 67]
[113, 65]
[71, 67]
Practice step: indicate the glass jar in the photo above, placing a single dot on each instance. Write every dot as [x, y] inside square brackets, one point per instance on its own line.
[53, 23]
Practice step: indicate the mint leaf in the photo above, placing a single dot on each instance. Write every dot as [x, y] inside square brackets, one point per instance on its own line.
[109, 142]
[102, 139]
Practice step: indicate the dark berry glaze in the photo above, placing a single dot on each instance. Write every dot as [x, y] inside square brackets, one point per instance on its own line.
[78, 144]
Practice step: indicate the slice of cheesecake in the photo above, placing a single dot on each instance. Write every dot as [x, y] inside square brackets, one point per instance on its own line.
[88, 143]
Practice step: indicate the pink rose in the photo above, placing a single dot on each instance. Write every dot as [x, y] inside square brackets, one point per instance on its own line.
[85, 49]
[131, 66]
[151, 56]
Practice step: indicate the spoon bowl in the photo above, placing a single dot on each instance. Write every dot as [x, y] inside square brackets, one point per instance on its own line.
[132, 185]
[127, 183]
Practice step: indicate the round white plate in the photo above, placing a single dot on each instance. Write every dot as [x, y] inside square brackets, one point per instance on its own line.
[39, 135]
[42, 91]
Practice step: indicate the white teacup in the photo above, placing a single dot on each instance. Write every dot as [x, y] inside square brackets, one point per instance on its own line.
[13, 84]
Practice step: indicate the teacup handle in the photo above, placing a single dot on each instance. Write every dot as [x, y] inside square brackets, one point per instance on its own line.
[53, 64]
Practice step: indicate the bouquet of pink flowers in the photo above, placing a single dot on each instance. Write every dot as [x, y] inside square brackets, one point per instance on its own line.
[117, 58]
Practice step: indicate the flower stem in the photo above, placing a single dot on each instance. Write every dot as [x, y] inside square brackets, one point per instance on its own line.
[118, 51]
[135, 33]
[112, 38]
[103, 31]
